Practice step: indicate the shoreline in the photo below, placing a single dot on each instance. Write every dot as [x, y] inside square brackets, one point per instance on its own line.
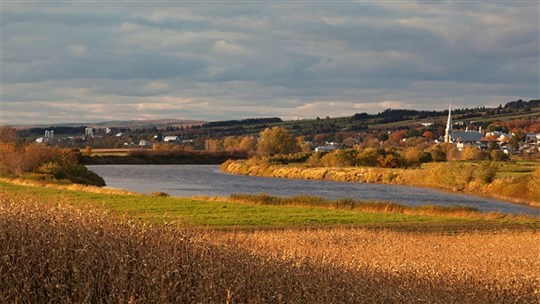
[398, 177]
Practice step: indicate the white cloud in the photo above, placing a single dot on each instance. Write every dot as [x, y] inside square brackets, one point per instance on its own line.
[229, 48]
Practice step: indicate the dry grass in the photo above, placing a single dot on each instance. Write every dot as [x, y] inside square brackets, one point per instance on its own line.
[60, 254]
[501, 267]
[73, 187]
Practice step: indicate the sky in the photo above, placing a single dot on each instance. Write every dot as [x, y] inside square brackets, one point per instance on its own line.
[219, 60]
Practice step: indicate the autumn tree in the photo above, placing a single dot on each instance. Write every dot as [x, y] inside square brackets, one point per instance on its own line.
[303, 145]
[429, 135]
[472, 153]
[8, 135]
[276, 140]
[248, 144]
[414, 156]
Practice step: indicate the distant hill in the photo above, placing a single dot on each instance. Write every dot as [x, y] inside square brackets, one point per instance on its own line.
[128, 124]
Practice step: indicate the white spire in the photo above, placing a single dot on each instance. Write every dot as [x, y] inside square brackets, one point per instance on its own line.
[448, 131]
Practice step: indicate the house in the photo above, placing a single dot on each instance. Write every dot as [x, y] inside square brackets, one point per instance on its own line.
[145, 144]
[532, 137]
[503, 138]
[171, 138]
[325, 148]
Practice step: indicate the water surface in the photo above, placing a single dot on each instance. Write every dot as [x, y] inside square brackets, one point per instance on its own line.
[190, 180]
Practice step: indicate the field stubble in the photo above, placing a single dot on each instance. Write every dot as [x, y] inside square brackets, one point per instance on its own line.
[58, 253]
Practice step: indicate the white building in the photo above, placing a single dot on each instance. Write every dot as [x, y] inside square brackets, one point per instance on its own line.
[171, 138]
[145, 144]
[325, 148]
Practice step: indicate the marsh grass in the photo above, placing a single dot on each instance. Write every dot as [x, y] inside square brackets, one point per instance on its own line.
[456, 211]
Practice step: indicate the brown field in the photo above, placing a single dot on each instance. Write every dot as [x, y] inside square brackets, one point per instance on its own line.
[60, 254]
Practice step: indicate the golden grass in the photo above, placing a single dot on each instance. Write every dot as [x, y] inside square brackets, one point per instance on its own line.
[72, 187]
[61, 254]
[495, 267]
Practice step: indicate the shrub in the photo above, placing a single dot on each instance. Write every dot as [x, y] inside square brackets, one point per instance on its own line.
[338, 158]
[534, 185]
[438, 154]
[369, 157]
[388, 161]
[473, 153]
[485, 172]
[159, 194]
[498, 155]
[314, 160]
[414, 156]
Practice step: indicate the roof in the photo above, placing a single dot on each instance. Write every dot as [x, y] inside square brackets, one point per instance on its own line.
[466, 136]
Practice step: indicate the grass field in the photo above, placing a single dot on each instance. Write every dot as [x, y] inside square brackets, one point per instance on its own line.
[228, 212]
[516, 168]
[74, 246]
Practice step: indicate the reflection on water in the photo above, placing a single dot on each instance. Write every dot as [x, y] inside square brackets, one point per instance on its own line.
[190, 180]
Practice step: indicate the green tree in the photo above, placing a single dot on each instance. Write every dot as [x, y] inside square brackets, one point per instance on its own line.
[276, 140]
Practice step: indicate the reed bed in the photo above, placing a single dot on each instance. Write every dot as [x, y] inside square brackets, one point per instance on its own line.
[56, 253]
[455, 211]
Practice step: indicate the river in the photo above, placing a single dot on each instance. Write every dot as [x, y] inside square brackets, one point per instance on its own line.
[191, 180]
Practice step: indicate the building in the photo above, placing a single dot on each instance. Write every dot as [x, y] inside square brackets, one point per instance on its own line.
[466, 136]
[325, 148]
[145, 144]
[89, 132]
[448, 131]
[171, 138]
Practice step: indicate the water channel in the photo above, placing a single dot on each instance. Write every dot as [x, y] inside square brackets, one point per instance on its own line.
[191, 180]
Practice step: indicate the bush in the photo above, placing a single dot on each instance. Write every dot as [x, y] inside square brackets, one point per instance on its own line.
[414, 156]
[498, 155]
[485, 172]
[438, 154]
[338, 158]
[473, 153]
[159, 194]
[534, 185]
[369, 157]
[388, 161]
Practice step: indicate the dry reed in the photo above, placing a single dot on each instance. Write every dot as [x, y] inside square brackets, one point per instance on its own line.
[56, 253]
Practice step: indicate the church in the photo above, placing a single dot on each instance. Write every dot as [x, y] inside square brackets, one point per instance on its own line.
[463, 137]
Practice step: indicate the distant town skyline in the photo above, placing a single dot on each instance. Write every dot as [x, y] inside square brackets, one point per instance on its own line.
[91, 62]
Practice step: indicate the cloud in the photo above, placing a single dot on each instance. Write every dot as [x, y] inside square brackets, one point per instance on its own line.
[89, 62]
[229, 48]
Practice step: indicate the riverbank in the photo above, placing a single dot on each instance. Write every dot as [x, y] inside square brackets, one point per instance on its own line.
[470, 178]
[161, 157]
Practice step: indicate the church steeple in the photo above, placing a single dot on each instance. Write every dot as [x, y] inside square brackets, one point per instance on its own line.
[448, 133]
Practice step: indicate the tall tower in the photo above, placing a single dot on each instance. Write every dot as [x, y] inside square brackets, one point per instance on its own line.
[448, 132]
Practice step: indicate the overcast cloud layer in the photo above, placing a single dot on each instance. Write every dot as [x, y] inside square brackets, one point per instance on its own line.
[89, 62]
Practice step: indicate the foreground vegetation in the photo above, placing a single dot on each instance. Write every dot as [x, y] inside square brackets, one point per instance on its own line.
[76, 246]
